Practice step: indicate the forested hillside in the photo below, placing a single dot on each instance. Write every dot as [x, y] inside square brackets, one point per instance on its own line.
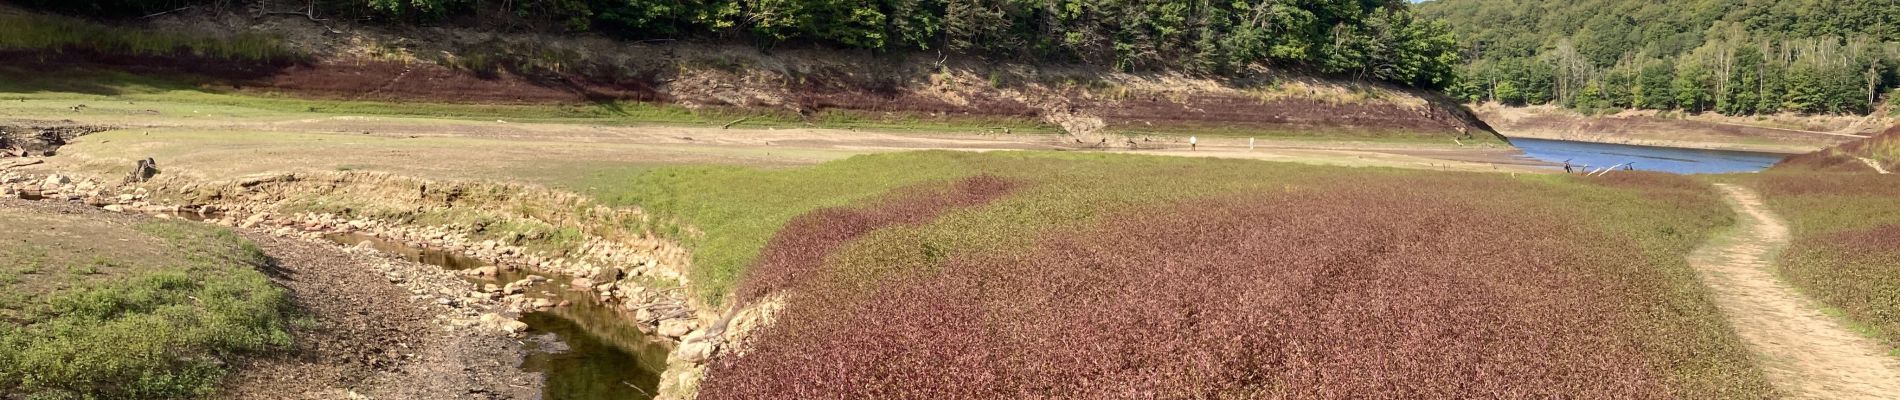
[1370, 39]
[1735, 57]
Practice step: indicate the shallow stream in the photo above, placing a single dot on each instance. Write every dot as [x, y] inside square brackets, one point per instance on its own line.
[596, 353]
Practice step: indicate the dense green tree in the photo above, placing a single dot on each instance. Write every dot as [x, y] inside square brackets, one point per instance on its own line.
[1369, 39]
[1730, 56]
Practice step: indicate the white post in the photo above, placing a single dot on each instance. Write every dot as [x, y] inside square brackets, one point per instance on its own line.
[1249, 144]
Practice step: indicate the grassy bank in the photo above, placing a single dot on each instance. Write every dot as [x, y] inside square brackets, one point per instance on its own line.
[1846, 246]
[1241, 262]
[95, 308]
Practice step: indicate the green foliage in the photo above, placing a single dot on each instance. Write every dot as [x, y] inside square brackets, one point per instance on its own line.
[164, 332]
[1732, 57]
[45, 33]
[1369, 39]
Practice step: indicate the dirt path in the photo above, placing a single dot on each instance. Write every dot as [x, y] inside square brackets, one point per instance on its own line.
[1806, 353]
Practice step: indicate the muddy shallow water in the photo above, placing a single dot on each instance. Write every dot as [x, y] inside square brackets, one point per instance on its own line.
[591, 350]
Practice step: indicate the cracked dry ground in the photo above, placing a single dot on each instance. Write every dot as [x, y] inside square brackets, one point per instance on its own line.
[1805, 352]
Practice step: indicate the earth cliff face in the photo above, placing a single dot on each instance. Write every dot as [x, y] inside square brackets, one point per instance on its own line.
[1779, 134]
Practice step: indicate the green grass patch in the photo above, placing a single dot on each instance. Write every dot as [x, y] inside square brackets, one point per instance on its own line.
[152, 311]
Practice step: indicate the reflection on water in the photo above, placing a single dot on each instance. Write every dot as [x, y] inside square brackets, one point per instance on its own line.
[436, 257]
[604, 358]
[1647, 158]
[599, 353]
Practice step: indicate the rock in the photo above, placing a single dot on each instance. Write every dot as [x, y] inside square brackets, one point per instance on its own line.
[513, 326]
[503, 324]
[483, 272]
[695, 352]
[114, 208]
[643, 315]
[56, 180]
[254, 220]
[542, 304]
[581, 284]
[676, 327]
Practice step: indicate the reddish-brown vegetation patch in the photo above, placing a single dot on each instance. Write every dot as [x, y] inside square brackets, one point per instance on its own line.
[797, 251]
[1358, 292]
[1846, 245]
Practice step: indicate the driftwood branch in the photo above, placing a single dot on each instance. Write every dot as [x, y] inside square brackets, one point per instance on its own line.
[166, 12]
[729, 125]
[17, 164]
[309, 11]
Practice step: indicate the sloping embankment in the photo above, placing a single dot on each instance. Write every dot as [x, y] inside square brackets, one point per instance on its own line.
[1651, 129]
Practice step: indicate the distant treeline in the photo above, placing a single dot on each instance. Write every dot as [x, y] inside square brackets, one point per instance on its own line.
[1735, 57]
[1367, 39]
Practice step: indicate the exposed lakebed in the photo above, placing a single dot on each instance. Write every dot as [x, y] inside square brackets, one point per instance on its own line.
[597, 353]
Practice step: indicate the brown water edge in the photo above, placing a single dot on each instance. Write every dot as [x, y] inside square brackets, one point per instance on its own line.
[596, 353]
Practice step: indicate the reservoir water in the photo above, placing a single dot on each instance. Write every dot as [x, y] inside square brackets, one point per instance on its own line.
[1647, 158]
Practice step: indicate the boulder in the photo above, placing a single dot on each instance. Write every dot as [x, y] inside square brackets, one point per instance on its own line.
[676, 327]
[695, 352]
[581, 284]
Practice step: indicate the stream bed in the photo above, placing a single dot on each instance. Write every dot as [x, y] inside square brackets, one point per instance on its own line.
[595, 352]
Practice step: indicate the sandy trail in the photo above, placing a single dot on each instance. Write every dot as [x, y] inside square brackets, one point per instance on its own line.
[1805, 353]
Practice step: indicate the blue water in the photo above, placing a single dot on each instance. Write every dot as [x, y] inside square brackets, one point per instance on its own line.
[1646, 158]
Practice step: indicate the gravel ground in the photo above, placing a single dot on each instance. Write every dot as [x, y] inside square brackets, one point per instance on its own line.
[374, 338]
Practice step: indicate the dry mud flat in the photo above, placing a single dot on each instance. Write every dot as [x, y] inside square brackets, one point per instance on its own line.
[370, 334]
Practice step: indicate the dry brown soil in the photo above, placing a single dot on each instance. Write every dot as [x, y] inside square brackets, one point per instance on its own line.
[1805, 352]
